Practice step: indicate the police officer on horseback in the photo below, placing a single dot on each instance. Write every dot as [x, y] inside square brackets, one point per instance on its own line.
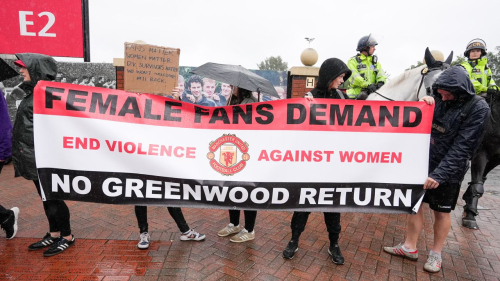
[367, 74]
[481, 77]
[477, 67]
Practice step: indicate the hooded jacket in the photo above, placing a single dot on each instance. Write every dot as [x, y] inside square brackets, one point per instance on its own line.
[5, 130]
[329, 70]
[40, 67]
[457, 126]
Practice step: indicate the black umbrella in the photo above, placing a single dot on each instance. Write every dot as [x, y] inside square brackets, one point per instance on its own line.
[236, 75]
[6, 71]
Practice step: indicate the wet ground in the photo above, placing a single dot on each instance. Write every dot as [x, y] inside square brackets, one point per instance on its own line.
[106, 239]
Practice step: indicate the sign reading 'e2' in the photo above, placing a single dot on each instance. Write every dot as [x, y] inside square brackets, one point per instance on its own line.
[51, 27]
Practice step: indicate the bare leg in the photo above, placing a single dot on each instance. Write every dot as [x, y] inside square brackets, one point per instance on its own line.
[442, 225]
[415, 225]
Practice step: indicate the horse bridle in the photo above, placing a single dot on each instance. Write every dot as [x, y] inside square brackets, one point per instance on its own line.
[423, 73]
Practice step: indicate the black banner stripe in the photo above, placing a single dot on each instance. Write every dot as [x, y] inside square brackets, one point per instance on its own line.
[140, 189]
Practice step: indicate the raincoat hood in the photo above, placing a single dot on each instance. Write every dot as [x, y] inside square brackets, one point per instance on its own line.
[455, 80]
[329, 70]
[40, 67]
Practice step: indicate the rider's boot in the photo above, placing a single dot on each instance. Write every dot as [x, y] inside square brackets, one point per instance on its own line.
[471, 198]
[469, 220]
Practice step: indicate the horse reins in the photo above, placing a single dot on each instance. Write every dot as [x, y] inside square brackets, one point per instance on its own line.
[383, 96]
[423, 73]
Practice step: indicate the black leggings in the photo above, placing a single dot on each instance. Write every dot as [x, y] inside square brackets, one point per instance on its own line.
[250, 216]
[332, 221]
[57, 213]
[141, 213]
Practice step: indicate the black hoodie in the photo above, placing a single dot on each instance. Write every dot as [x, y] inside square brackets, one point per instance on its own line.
[40, 67]
[329, 70]
[455, 137]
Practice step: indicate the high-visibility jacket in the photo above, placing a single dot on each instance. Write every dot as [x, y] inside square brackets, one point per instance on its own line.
[366, 70]
[480, 74]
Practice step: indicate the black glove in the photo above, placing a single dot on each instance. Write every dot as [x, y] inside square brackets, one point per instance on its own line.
[371, 88]
[492, 91]
[362, 96]
[380, 84]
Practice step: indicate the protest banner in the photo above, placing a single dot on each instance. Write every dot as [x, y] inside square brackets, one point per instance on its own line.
[150, 69]
[109, 146]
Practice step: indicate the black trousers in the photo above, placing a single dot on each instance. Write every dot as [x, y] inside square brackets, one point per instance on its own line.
[332, 221]
[141, 213]
[250, 217]
[57, 213]
[4, 214]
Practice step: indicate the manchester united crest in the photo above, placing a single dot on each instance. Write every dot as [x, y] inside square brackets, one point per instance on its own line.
[228, 154]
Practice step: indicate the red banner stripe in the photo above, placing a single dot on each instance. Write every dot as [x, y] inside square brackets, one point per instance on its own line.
[70, 100]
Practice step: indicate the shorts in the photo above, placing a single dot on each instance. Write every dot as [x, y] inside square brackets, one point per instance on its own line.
[444, 198]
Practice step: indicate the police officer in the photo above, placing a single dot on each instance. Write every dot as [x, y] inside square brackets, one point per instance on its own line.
[367, 74]
[481, 77]
[477, 67]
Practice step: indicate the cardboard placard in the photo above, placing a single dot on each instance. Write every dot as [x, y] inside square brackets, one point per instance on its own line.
[151, 69]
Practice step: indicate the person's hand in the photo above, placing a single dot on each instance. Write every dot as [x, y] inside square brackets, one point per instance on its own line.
[176, 92]
[190, 97]
[362, 96]
[216, 97]
[430, 183]
[371, 88]
[491, 91]
[428, 99]
[380, 84]
[309, 97]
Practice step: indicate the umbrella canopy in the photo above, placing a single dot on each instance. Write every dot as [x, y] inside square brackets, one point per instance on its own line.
[236, 75]
[6, 71]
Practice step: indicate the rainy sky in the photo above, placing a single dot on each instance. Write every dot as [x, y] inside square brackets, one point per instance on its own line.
[246, 32]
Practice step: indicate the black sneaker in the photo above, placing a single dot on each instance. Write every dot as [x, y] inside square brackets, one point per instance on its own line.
[10, 225]
[47, 240]
[59, 246]
[337, 257]
[291, 249]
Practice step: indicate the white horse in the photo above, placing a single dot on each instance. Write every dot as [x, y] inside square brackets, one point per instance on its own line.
[413, 84]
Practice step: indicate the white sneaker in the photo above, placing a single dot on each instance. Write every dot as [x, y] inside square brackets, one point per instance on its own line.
[192, 235]
[228, 230]
[433, 263]
[243, 236]
[144, 241]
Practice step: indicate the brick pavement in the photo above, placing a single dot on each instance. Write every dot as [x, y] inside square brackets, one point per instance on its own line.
[107, 236]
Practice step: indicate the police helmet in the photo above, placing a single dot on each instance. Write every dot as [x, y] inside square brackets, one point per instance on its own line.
[366, 42]
[476, 44]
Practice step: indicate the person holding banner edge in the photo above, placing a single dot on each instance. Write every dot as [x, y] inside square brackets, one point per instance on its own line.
[36, 67]
[458, 125]
[332, 74]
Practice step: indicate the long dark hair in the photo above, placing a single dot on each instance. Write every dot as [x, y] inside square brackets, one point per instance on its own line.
[237, 99]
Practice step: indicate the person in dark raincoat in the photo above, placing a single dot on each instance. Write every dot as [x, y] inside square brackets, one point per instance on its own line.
[332, 74]
[8, 218]
[457, 128]
[36, 67]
